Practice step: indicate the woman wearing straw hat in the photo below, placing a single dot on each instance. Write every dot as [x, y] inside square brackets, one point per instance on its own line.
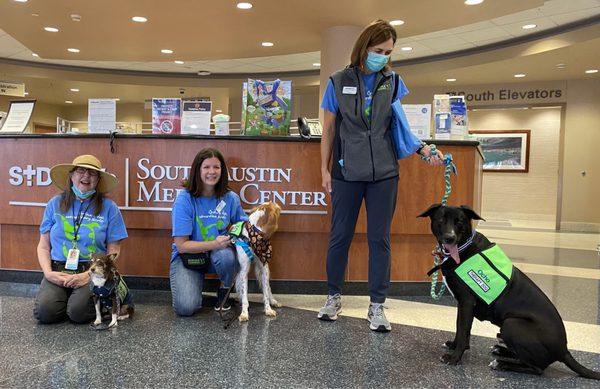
[77, 223]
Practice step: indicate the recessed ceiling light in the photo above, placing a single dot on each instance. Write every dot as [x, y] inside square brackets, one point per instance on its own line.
[397, 22]
[35, 15]
[244, 5]
[473, 2]
[218, 110]
[561, 65]
[139, 19]
[591, 71]
[316, 64]
[179, 62]
[68, 102]
[406, 48]
[267, 44]
[204, 73]
[529, 26]
[520, 75]
[72, 50]
[21, 1]
[166, 51]
[450, 79]
[26, 93]
[35, 55]
[51, 29]
[74, 90]
[76, 17]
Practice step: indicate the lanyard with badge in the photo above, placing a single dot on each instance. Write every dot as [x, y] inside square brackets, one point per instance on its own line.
[73, 257]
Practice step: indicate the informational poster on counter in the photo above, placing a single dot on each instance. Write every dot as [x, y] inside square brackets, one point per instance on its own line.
[166, 116]
[419, 119]
[19, 114]
[196, 117]
[102, 115]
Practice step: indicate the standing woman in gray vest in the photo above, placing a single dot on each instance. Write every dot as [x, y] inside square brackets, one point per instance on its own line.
[358, 162]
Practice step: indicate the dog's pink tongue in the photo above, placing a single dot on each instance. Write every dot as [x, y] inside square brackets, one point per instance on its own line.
[453, 250]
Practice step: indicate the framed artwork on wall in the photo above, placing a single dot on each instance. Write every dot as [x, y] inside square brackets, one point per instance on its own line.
[504, 150]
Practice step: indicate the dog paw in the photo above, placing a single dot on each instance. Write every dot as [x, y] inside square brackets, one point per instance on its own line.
[450, 359]
[97, 322]
[270, 312]
[275, 303]
[244, 317]
[450, 345]
[113, 324]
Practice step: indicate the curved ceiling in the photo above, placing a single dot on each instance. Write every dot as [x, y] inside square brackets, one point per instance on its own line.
[217, 37]
[209, 30]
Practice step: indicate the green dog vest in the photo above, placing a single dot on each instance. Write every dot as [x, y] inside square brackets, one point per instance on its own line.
[486, 273]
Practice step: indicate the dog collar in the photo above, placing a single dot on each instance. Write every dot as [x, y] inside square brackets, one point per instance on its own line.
[461, 248]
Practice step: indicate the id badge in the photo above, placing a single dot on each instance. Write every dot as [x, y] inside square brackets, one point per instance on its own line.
[72, 259]
[220, 206]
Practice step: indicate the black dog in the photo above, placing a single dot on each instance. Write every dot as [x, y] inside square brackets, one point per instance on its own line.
[532, 335]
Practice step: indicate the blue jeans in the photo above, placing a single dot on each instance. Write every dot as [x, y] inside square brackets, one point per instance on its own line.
[186, 284]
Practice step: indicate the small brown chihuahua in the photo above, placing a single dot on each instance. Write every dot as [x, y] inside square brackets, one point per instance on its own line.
[109, 291]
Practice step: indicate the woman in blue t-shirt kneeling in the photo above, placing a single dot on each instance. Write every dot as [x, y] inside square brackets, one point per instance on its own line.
[201, 214]
[77, 223]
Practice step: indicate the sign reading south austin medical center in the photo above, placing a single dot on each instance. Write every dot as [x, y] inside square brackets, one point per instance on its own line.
[151, 186]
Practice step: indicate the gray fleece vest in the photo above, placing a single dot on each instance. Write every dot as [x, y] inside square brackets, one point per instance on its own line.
[363, 151]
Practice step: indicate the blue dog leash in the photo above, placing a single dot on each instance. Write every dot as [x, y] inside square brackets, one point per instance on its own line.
[450, 168]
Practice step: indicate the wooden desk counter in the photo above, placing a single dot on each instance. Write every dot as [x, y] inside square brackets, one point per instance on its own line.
[283, 169]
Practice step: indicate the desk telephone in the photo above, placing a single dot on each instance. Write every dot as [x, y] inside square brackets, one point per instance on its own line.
[308, 128]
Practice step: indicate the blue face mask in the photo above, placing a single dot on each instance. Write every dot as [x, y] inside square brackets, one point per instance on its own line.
[82, 195]
[375, 62]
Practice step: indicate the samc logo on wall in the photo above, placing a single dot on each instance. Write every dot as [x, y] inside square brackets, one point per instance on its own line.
[154, 187]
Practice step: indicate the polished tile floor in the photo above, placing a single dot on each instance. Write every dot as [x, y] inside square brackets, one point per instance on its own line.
[158, 349]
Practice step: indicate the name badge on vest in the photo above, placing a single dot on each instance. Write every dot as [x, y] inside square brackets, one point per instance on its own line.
[72, 259]
[349, 90]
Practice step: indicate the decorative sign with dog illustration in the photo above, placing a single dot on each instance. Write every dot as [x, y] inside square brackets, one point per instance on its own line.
[266, 107]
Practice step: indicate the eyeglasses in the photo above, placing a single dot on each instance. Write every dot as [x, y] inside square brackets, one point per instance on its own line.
[82, 171]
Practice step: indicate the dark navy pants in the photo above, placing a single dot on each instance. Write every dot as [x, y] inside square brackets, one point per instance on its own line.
[380, 202]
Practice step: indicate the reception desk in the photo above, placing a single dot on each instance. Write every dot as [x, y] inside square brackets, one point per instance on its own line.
[281, 169]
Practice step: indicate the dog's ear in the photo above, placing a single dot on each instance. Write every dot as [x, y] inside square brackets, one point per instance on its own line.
[430, 211]
[470, 213]
[112, 257]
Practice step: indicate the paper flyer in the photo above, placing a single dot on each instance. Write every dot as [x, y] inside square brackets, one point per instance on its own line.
[196, 117]
[102, 115]
[419, 119]
[166, 116]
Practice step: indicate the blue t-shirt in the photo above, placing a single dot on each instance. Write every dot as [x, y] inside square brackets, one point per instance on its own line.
[212, 216]
[330, 102]
[94, 234]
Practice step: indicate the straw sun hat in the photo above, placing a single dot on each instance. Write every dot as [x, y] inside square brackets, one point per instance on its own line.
[60, 173]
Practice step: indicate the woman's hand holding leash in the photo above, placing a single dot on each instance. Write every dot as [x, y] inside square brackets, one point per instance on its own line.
[222, 242]
[432, 156]
[57, 277]
[78, 280]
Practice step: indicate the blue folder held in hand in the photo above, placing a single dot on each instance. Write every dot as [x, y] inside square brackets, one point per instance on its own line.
[405, 142]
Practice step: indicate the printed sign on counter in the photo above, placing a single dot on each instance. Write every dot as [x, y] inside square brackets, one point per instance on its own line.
[419, 119]
[166, 116]
[102, 115]
[196, 117]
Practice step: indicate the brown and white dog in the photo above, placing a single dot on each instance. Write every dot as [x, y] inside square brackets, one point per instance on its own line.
[262, 224]
[109, 291]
